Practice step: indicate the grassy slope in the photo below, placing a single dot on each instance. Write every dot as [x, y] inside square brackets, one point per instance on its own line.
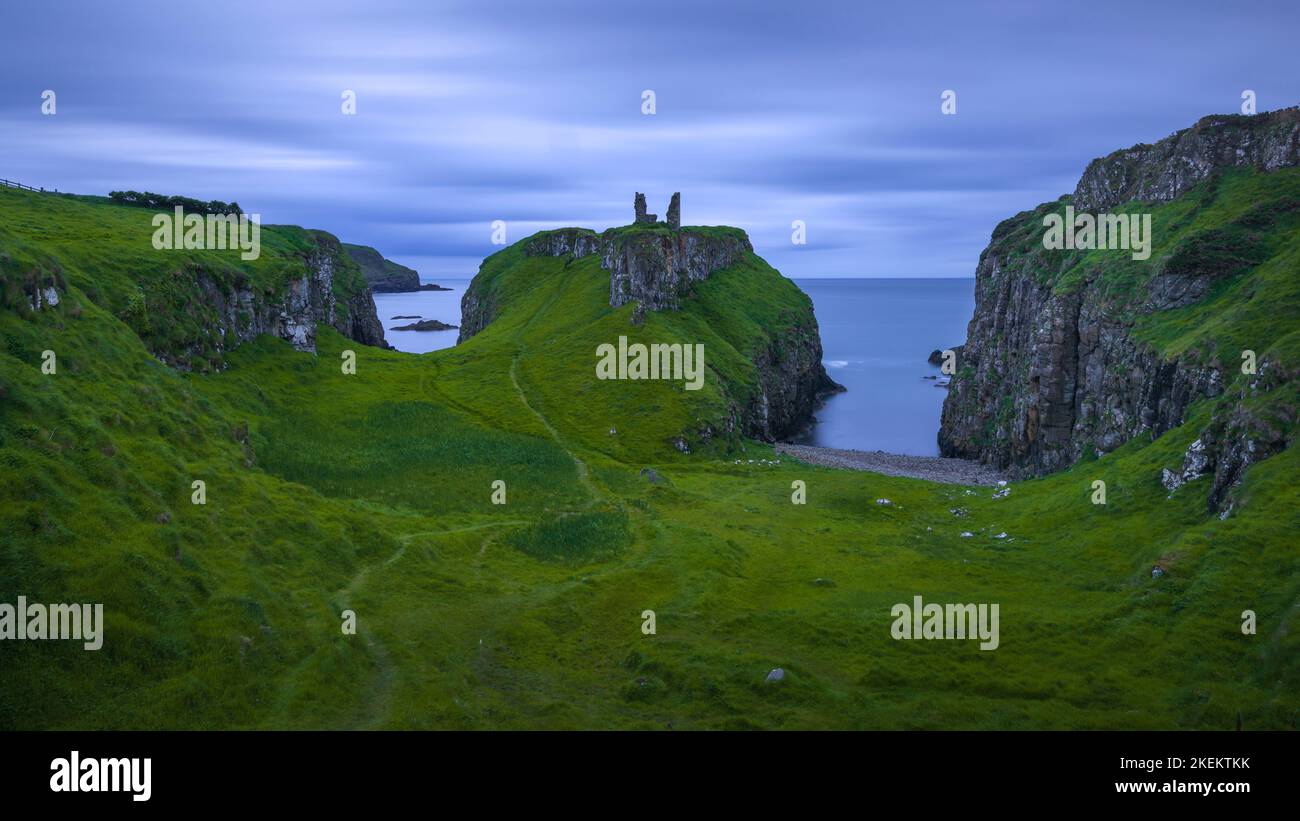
[372, 492]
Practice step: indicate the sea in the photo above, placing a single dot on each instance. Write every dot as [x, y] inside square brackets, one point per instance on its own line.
[876, 337]
[442, 305]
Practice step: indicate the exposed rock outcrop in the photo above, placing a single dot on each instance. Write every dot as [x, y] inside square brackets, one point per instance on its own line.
[577, 242]
[1052, 370]
[1049, 377]
[656, 269]
[1245, 431]
[650, 265]
[792, 383]
[478, 307]
[1167, 169]
[232, 314]
[42, 289]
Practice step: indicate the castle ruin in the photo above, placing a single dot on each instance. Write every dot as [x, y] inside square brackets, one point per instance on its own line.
[674, 211]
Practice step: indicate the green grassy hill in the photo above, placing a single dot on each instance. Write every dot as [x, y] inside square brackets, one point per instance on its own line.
[372, 492]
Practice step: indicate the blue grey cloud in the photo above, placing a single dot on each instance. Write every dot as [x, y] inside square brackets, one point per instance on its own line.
[530, 112]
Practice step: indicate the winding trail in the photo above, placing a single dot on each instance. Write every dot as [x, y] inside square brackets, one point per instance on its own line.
[380, 691]
[580, 465]
[931, 468]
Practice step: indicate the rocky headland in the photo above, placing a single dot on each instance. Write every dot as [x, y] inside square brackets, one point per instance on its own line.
[654, 265]
[1059, 362]
[385, 276]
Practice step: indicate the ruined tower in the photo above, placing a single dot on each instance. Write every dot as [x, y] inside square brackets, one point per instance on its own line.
[641, 216]
[674, 211]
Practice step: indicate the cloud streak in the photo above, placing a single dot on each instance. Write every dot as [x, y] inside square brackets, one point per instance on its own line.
[527, 112]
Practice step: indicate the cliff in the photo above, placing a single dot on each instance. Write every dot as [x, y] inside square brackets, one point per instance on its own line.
[328, 293]
[1169, 168]
[188, 308]
[662, 271]
[656, 267]
[320, 286]
[1072, 353]
[383, 275]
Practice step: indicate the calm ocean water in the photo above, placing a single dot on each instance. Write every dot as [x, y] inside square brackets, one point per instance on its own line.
[441, 305]
[876, 335]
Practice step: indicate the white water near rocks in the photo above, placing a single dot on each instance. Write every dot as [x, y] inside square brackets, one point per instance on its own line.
[876, 337]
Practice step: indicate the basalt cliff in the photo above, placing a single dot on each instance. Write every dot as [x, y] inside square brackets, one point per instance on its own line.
[656, 267]
[1072, 353]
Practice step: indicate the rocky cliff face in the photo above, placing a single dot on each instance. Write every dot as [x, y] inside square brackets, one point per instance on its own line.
[1047, 377]
[383, 275]
[576, 242]
[1164, 171]
[650, 266]
[792, 384]
[654, 266]
[1052, 369]
[477, 309]
[230, 313]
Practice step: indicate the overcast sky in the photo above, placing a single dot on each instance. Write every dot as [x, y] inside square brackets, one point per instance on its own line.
[530, 112]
